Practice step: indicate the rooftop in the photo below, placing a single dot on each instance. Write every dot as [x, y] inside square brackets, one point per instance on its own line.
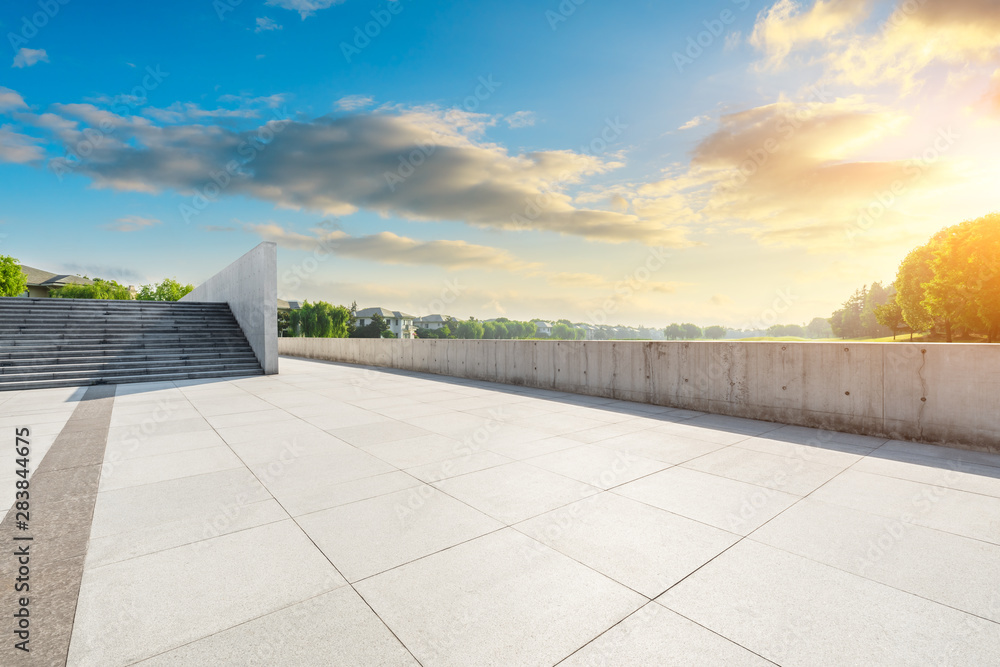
[387, 517]
[40, 278]
[384, 312]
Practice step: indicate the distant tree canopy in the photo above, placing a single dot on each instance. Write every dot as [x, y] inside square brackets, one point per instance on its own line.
[564, 330]
[13, 281]
[819, 328]
[100, 289]
[782, 330]
[686, 331]
[168, 290]
[320, 320]
[856, 318]
[470, 328]
[715, 332]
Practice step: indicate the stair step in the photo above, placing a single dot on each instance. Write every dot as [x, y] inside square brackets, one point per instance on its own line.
[43, 360]
[116, 363]
[111, 373]
[165, 377]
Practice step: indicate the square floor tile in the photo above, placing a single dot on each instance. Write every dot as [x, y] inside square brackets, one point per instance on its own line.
[654, 636]
[597, 466]
[371, 536]
[144, 606]
[957, 571]
[516, 491]
[782, 473]
[645, 548]
[336, 628]
[724, 503]
[501, 599]
[797, 612]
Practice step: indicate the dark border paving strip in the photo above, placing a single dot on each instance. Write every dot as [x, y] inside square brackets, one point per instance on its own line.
[63, 493]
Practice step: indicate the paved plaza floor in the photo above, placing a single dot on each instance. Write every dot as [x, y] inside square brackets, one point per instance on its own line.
[342, 515]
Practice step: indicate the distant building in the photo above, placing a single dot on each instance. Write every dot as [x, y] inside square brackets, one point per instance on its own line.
[288, 306]
[399, 323]
[544, 328]
[432, 322]
[40, 282]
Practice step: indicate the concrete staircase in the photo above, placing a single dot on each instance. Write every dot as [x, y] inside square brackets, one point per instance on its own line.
[76, 342]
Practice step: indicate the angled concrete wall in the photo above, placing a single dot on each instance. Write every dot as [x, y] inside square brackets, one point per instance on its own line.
[936, 392]
[250, 287]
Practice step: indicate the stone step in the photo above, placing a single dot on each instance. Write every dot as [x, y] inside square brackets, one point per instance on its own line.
[97, 358]
[119, 372]
[164, 377]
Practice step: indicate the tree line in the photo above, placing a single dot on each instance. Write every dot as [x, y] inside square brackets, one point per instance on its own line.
[14, 282]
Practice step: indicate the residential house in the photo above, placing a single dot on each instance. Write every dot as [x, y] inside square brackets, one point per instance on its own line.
[544, 328]
[40, 282]
[432, 322]
[399, 323]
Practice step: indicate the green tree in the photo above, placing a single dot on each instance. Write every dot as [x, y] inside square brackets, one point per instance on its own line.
[674, 332]
[285, 324]
[715, 332]
[470, 328]
[819, 328]
[13, 281]
[782, 330]
[563, 331]
[691, 331]
[965, 285]
[168, 290]
[100, 289]
[914, 272]
[890, 315]
[321, 320]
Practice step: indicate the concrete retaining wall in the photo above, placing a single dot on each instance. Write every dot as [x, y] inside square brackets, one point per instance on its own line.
[250, 287]
[936, 392]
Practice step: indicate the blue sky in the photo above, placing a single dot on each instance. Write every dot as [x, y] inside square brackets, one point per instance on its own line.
[578, 161]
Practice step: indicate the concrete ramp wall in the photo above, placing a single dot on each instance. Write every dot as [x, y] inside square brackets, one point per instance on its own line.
[931, 392]
[250, 287]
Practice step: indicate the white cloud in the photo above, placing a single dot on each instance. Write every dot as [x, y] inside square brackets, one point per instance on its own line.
[416, 163]
[305, 8]
[265, 24]
[389, 248]
[131, 223]
[520, 119]
[353, 102]
[11, 100]
[694, 122]
[18, 148]
[27, 57]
